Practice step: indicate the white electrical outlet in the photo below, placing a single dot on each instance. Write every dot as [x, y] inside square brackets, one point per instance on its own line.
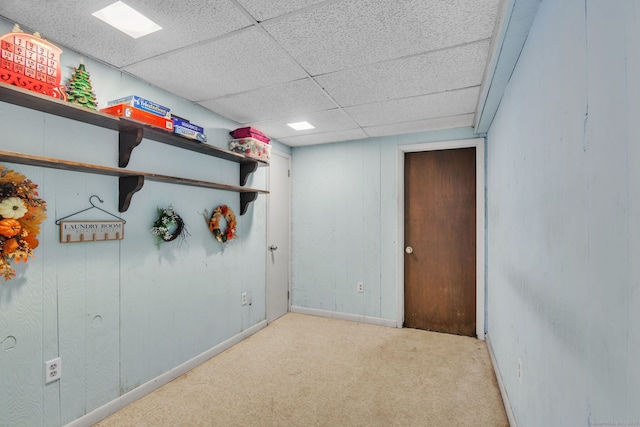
[360, 287]
[243, 298]
[52, 370]
[519, 372]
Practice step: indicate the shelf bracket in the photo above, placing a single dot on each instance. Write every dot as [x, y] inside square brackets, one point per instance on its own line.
[128, 140]
[245, 200]
[128, 186]
[247, 169]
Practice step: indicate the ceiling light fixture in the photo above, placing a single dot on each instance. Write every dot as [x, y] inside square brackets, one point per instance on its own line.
[126, 19]
[301, 125]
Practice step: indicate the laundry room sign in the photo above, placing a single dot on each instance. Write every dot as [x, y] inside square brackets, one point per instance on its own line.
[91, 231]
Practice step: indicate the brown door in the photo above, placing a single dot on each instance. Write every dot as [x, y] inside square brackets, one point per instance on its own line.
[440, 241]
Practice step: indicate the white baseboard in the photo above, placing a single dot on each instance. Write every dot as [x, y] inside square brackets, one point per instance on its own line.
[503, 390]
[344, 316]
[152, 385]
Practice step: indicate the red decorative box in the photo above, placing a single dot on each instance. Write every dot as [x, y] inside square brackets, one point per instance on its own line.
[249, 133]
[122, 110]
[32, 63]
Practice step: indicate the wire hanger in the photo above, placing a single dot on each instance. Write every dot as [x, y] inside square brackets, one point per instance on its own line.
[92, 206]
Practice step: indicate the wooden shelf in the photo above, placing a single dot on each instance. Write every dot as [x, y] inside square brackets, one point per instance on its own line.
[39, 102]
[130, 181]
[131, 134]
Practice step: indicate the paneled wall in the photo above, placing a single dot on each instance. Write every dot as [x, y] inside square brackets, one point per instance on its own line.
[345, 225]
[120, 313]
[564, 219]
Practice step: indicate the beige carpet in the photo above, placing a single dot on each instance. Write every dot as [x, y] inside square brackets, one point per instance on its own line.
[312, 371]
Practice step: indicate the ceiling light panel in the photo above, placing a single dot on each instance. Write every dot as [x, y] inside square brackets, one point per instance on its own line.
[126, 19]
[301, 126]
[324, 121]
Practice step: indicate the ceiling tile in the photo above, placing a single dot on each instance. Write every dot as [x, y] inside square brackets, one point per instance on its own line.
[297, 97]
[416, 108]
[72, 25]
[324, 121]
[243, 61]
[378, 30]
[323, 138]
[464, 120]
[262, 10]
[439, 71]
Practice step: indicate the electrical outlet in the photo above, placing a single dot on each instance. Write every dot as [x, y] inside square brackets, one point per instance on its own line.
[52, 370]
[519, 372]
[360, 287]
[243, 298]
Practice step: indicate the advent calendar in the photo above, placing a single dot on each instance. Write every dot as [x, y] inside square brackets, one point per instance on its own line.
[32, 63]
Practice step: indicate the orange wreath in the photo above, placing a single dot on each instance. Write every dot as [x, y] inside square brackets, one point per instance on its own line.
[21, 213]
[228, 233]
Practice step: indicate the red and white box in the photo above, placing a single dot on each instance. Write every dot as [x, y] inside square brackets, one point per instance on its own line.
[249, 133]
[123, 110]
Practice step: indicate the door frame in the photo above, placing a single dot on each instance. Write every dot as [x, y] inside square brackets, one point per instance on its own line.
[288, 159]
[478, 144]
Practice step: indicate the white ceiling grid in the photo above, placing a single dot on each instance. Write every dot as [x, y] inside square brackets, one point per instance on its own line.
[353, 68]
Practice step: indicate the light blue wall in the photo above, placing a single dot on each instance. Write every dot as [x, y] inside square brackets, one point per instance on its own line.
[345, 223]
[120, 313]
[564, 218]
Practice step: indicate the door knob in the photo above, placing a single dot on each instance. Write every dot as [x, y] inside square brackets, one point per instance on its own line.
[273, 248]
[409, 250]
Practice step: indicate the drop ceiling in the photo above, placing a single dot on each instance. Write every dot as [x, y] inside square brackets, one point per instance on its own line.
[353, 68]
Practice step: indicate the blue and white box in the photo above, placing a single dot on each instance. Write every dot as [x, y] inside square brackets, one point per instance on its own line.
[187, 129]
[142, 104]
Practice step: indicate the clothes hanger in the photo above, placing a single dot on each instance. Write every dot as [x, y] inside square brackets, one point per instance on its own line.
[91, 207]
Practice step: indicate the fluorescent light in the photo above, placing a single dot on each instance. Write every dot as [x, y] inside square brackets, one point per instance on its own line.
[127, 20]
[301, 125]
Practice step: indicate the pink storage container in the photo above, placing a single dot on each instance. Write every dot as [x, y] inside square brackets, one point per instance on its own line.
[249, 133]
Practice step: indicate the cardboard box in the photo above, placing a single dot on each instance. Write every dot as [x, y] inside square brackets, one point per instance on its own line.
[133, 113]
[189, 133]
[187, 129]
[179, 121]
[142, 104]
[251, 147]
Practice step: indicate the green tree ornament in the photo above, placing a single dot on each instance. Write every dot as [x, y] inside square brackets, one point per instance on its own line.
[79, 90]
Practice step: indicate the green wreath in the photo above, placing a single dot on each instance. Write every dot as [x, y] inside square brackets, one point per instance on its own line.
[168, 227]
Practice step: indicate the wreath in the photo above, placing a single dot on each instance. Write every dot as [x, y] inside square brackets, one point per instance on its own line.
[222, 211]
[21, 213]
[168, 227]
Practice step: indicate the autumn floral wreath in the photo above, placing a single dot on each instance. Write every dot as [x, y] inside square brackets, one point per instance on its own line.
[21, 213]
[168, 227]
[222, 211]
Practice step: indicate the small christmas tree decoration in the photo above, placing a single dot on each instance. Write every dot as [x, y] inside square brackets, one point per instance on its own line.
[79, 90]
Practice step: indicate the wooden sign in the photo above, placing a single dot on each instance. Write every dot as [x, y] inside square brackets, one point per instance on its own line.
[91, 231]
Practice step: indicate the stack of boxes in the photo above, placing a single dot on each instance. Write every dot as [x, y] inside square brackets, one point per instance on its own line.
[136, 108]
[248, 141]
[139, 109]
[251, 142]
